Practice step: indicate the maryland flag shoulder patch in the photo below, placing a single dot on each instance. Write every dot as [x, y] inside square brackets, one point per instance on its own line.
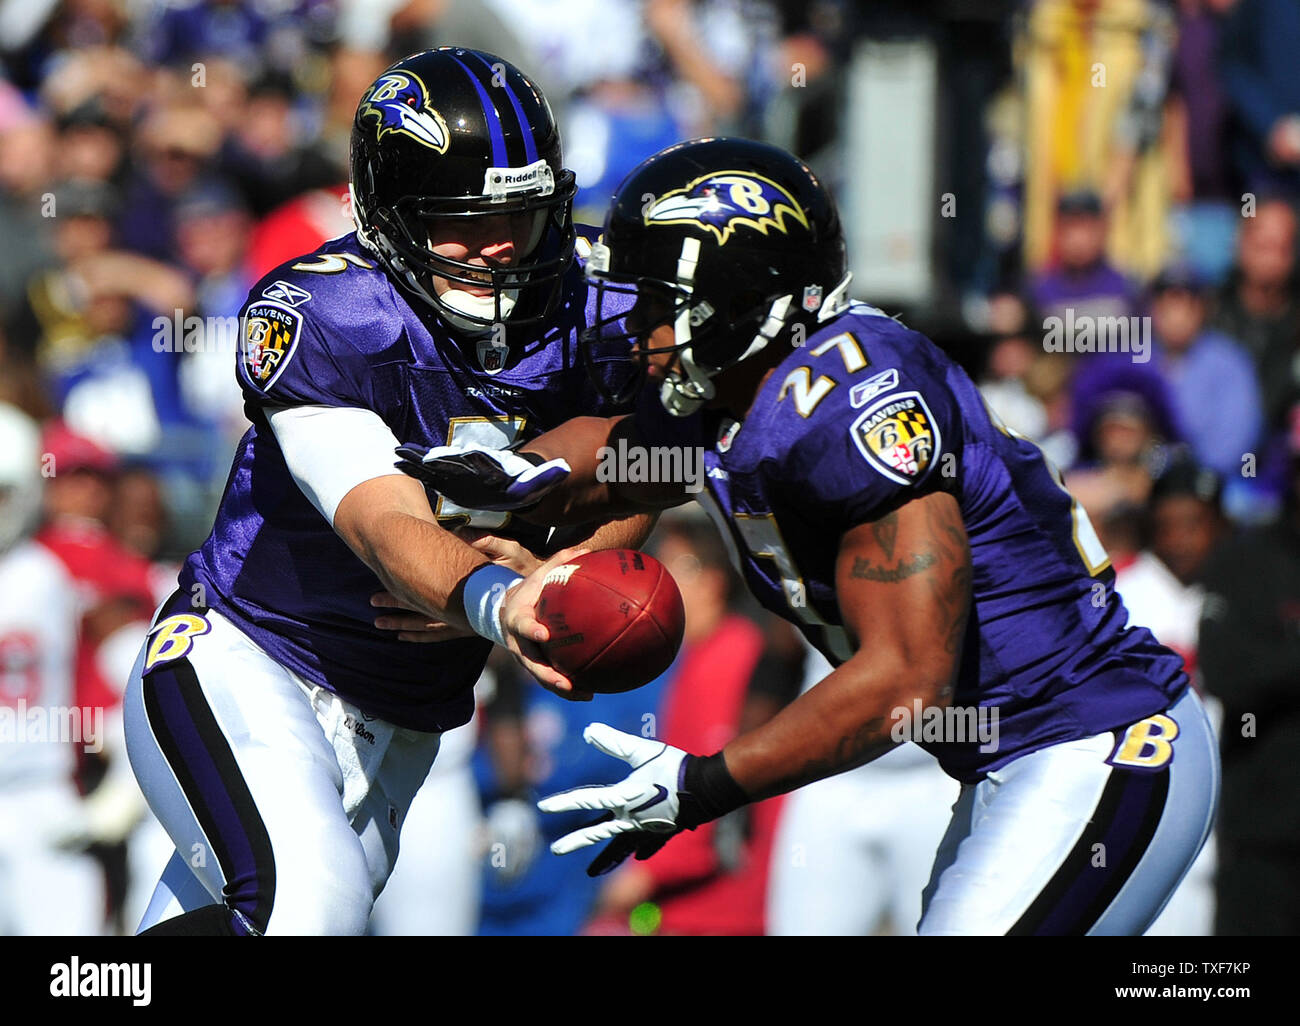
[267, 343]
[898, 437]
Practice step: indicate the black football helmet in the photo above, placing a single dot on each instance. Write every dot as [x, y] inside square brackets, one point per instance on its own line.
[451, 140]
[731, 241]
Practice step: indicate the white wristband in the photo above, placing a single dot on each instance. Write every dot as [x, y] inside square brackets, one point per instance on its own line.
[485, 590]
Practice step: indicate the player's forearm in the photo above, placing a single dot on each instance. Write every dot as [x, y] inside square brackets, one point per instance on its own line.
[420, 563]
[619, 533]
[903, 586]
[843, 722]
[583, 497]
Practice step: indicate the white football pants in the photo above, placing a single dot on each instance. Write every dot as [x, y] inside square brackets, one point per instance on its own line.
[284, 802]
[1086, 837]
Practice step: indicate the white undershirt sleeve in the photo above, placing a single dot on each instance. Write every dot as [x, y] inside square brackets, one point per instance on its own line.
[332, 449]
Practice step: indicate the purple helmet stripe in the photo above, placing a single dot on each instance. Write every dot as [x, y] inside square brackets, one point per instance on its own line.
[490, 115]
[530, 149]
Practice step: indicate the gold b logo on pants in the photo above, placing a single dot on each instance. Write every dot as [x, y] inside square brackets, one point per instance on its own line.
[1147, 745]
[173, 638]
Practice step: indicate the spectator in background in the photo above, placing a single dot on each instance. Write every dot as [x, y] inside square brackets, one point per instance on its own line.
[140, 521]
[90, 147]
[1095, 74]
[1012, 355]
[267, 156]
[1161, 589]
[1204, 218]
[1082, 280]
[21, 384]
[116, 594]
[805, 95]
[54, 310]
[1211, 378]
[1025, 386]
[351, 69]
[107, 75]
[85, 23]
[224, 93]
[115, 585]
[532, 746]
[47, 884]
[26, 171]
[1123, 419]
[1250, 660]
[546, 35]
[1260, 308]
[175, 146]
[213, 229]
[92, 317]
[1183, 526]
[1048, 381]
[1261, 77]
[179, 34]
[298, 227]
[137, 515]
[712, 880]
[724, 52]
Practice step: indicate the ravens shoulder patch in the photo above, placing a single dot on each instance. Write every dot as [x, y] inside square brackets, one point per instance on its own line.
[898, 437]
[267, 343]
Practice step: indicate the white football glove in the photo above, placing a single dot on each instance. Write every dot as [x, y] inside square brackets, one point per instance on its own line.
[642, 808]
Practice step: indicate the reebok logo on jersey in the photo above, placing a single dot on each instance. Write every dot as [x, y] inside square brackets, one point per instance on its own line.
[864, 391]
[268, 342]
[898, 437]
[286, 292]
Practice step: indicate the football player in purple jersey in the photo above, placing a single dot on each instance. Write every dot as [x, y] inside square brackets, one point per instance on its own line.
[283, 710]
[871, 498]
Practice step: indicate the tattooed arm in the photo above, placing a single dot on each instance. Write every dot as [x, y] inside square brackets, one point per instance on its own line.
[904, 588]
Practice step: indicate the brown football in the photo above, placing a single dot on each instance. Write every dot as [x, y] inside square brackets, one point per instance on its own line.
[615, 618]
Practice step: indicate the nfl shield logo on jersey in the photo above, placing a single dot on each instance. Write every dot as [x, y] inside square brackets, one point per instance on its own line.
[898, 437]
[491, 355]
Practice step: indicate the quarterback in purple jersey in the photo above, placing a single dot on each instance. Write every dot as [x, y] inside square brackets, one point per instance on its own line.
[285, 706]
[870, 497]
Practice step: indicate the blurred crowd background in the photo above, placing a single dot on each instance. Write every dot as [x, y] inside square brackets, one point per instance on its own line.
[999, 164]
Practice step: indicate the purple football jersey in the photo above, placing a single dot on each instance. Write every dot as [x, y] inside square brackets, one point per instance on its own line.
[331, 328]
[869, 414]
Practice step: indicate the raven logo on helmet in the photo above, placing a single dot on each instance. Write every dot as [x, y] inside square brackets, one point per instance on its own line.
[723, 201]
[400, 103]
